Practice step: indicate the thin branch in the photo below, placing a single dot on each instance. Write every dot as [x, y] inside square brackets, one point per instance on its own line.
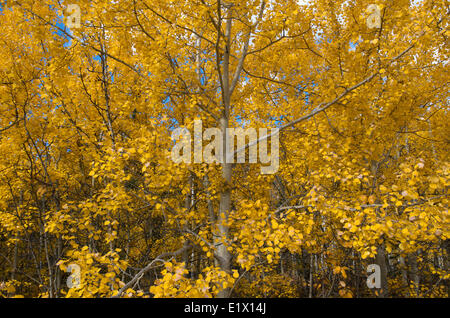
[141, 273]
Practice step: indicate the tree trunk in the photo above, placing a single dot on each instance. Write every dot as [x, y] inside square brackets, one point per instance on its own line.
[380, 260]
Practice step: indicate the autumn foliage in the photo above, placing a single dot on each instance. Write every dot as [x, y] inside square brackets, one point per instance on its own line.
[86, 177]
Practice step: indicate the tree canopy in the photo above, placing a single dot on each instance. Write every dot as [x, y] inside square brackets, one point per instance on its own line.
[91, 91]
